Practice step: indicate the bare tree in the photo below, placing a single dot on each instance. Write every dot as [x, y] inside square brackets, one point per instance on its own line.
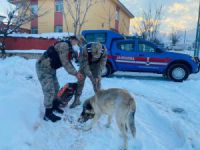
[17, 16]
[65, 14]
[148, 27]
[78, 10]
[175, 37]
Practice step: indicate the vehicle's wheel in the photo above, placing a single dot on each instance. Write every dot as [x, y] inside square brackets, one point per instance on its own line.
[178, 72]
[107, 71]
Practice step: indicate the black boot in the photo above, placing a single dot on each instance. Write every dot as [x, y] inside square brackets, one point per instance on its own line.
[50, 116]
[56, 104]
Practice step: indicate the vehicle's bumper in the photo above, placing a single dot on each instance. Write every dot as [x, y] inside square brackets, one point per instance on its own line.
[198, 68]
[198, 64]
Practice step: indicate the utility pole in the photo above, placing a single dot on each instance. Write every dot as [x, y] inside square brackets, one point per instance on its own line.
[197, 42]
[184, 37]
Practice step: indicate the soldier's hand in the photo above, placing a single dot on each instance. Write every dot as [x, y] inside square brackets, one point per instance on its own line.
[96, 84]
[79, 76]
[92, 78]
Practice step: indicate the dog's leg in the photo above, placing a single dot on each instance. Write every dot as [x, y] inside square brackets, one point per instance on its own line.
[94, 122]
[109, 121]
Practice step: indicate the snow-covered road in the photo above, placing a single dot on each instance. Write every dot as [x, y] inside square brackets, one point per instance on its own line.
[167, 117]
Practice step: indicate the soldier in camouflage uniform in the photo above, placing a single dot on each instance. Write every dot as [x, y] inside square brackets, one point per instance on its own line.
[92, 62]
[59, 55]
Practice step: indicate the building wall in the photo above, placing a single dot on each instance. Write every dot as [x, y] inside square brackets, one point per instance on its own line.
[46, 22]
[100, 16]
[96, 17]
[67, 20]
[124, 23]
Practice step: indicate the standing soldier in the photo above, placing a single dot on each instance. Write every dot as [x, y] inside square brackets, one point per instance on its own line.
[92, 62]
[59, 55]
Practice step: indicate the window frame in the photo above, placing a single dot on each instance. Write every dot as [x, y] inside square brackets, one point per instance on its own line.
[59, 4]
[117, 14]
[34, 9]
[146, 44]
[123, 43]
[60, 27]
[33, 29]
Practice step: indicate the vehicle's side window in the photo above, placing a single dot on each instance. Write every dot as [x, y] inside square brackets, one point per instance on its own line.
[126, 46]
[143, 47]
[96, 37]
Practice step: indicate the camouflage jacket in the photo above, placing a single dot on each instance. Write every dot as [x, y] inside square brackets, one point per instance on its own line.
[85, 66]
[64, 53]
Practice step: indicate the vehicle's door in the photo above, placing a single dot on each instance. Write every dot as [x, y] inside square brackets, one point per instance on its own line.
[123, 52]
[156, 61]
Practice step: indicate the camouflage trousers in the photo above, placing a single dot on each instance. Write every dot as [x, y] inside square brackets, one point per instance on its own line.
[96, 82]
[49, 83]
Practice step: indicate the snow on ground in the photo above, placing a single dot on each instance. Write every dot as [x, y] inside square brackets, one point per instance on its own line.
[167, 117]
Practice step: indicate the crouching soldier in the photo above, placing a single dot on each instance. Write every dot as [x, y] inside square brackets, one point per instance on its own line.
[92, 62]
[59, 55]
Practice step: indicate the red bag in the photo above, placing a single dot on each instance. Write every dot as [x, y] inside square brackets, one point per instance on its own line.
[67, 92]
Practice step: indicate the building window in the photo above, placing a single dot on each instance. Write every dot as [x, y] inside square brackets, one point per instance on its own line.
[59, 6]
[34, 30]
[34, 9]
[58, 29]
[117, 14]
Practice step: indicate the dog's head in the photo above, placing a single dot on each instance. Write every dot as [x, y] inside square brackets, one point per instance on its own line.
[87, 113]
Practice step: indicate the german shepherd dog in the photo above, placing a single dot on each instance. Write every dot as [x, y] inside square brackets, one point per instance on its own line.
[112, 102]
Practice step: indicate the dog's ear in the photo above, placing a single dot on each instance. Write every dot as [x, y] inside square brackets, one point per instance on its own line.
[88, 106]
[85, 103]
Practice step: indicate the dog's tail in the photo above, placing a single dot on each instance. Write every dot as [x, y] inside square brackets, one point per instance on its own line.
[131, 120]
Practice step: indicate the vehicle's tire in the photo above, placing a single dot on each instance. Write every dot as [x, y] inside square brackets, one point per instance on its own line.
[178, 72]
[107, 71]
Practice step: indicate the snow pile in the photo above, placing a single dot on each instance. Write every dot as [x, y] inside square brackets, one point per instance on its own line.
[167, 117]
[42, 35]
[33, 51]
